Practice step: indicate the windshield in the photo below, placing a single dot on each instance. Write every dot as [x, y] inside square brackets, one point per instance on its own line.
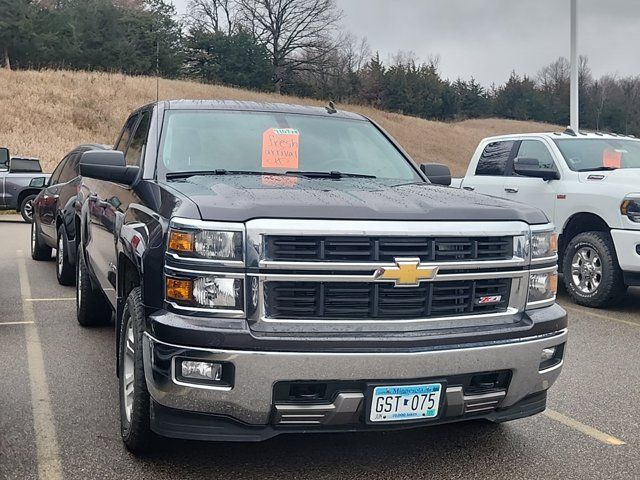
[588, 154]
[211, 140]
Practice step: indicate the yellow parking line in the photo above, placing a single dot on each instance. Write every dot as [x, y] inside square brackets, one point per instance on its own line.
[59, 299]
[47, 452]
[586, 429]
[599, 315]
[16, 323]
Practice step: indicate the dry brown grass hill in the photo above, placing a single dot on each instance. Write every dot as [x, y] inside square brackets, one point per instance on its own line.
[45, 113]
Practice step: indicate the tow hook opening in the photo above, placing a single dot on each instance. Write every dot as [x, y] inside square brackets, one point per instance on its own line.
[488, 382]
[307, 391]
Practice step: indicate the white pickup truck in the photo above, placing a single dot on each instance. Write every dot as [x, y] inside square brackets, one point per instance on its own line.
[588, 184]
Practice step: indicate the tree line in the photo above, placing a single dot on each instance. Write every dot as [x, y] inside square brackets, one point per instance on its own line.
[292, 47]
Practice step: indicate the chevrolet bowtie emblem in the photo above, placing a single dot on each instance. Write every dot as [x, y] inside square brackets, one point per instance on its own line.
[408, 272]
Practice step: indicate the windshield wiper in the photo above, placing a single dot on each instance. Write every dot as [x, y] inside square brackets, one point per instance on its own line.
[598, 169]
[218, 171]
[332, 174]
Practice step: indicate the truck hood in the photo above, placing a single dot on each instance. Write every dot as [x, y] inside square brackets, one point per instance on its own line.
[627, 177]
[239, 198]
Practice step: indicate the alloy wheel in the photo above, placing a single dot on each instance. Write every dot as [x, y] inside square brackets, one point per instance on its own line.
[128, 373]
[28, 210]
[586, 270]
[60, 255]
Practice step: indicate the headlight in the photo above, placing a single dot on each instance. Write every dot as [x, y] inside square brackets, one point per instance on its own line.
[211, 292]
[631, 207]
[543, 286]
[544, 244]
[215, 245]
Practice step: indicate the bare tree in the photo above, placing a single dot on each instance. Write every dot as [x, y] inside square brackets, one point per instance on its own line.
[297, 33]
[216, 16]
[354, 52]
[555, 76]
[600, 92]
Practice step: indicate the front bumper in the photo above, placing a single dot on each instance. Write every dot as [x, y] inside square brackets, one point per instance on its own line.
[627, 243]
[250, 402]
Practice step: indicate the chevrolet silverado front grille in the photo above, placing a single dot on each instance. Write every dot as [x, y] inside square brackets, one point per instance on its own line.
[385, 249]
[346, 300]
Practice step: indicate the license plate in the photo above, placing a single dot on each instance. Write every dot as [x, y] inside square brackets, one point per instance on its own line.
[405, 402]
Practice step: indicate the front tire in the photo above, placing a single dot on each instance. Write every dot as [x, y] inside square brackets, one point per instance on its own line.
[592, 274]
[64, 270]
[135, 422]
[39, 250]
[91, 307]
[26, 208]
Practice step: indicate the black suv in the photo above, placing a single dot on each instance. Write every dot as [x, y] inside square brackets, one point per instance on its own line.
[55, 215]
[275, 268]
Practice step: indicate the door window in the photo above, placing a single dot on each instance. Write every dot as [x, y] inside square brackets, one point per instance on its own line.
[55, 176]
[494, 159]
[69, 171]
[538, 150]
[123, 141]
[136, 149]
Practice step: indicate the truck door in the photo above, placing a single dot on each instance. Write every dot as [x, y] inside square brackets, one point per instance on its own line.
[533, 191]
[110, 202]
[103, 201]
[48, 205]
[489, 176]
[4, 169]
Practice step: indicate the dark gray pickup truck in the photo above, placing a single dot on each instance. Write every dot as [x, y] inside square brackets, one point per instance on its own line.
[275, 269]
[21, 179]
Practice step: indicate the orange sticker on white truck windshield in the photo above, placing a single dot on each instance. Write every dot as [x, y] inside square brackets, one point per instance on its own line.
[612, 159]
[280, 148]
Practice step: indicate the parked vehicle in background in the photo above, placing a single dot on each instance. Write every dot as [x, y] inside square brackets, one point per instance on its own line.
[278, 269]
[55, 216]
[21, 179]
[588, 184]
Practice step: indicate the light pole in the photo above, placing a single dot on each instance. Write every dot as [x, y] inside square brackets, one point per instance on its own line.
[574, 122]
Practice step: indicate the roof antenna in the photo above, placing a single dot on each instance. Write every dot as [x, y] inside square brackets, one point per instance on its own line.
[331, 108]
[570, 131]
[157, 69]
[157, 106]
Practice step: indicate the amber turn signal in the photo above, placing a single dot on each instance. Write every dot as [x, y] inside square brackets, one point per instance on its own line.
[181, 241]
[553, 283]
[179, 289]
[553, 247]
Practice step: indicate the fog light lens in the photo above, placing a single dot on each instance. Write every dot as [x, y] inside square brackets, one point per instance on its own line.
[547, 354]
[201, 370]
[551, 357]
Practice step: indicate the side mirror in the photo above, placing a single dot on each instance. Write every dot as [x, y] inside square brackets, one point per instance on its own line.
[108, 165]
[530, 167]
[38, 182]
[4, 158]
[437, 173]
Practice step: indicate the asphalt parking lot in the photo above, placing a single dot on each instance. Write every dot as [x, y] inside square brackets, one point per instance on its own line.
[58, 407]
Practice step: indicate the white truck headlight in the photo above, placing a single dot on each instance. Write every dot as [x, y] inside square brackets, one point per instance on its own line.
[543, 286]
[210, 244]
[631, 207]
[210, 292]
[544, 244]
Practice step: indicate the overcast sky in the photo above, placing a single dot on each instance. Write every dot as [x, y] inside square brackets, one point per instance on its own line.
[487, 39]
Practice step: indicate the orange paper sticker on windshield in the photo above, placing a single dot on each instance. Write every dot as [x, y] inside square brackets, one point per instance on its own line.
[612, 159]
[280, 147]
